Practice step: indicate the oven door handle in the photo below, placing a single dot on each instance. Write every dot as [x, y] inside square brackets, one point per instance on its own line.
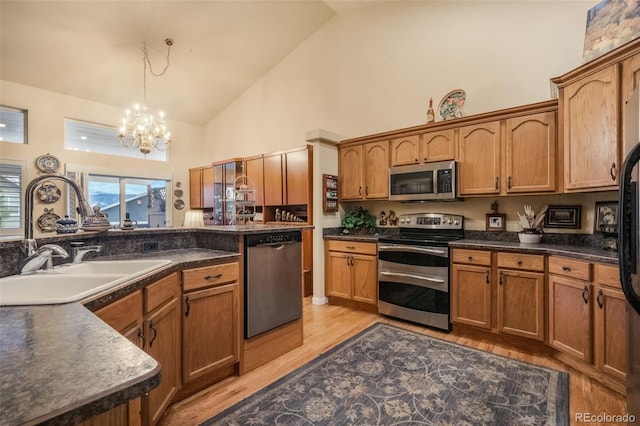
[417, 277]
[413, 249]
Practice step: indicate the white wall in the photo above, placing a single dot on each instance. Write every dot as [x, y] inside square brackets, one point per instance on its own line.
[46, 113]
[374, 69]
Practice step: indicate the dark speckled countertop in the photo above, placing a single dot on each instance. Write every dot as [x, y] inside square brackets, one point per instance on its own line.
[60, 364]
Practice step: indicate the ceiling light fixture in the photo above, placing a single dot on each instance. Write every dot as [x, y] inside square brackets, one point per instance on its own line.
[141, 129]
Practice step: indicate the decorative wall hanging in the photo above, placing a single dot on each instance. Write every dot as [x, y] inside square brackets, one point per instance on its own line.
[48, 221]
[452, 103]
[47, 164]
[563, 217]
[48, 192]
[610, 23]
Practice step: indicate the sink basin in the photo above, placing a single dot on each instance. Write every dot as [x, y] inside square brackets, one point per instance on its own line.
[129, 267]
[44, 289]
[72, 282]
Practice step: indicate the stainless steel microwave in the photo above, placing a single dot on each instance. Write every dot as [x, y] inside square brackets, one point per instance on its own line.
[422, 182]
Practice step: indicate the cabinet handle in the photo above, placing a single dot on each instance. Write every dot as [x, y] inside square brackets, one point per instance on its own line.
[501, 275]
[497, 182]
[425, 160]
[566, 268]
[470, 258]
[416, 160]
[359, 190]
[351, 247]
[509, 182]
[366, 191]
[612, 171]
[519, 262]
[348, 260]
[585, 294]
[152, 326]
[188, 303]
[212, 277]
[141, 337]
[599, 299]
[487, 277]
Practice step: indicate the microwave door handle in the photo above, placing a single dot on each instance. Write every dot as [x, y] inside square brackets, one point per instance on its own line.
[417, 277]
[412, 249]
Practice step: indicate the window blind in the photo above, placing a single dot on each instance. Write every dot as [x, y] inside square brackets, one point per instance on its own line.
[10, 196]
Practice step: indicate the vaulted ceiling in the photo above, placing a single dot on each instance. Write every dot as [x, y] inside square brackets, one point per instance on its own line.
[93, 49]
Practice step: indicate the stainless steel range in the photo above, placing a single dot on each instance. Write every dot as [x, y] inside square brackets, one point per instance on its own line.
[413, 269]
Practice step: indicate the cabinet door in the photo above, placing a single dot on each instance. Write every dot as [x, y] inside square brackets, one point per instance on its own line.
[531, 153]
[405, 150]
[207, 187]
[364, 278]
[610, 331]
[630, 82]
[471, 295]
[479, 168]
[570, 326]
[209, 330]
[376, 170]
[297, 182]
[591, 140]
[162, 328]
[255, 172]
[273, 180]
[338, 275]
[351, 173]
[438, 146]
[521, 303]
[195, 188]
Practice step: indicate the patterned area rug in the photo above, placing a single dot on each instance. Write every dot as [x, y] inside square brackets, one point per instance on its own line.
[386, 375]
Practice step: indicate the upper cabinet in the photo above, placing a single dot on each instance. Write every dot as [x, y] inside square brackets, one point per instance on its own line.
[201, 187]
[479, 169]
[287, 180]
[364, 171]
[423, 148]
[591, 100]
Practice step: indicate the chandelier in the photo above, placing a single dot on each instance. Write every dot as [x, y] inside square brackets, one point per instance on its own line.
[140, 128]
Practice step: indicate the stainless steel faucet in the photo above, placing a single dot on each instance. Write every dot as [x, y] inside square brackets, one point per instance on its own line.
[83, 207]
[43, 256]
[80, 252]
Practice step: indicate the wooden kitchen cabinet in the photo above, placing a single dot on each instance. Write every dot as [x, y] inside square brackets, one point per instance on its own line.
[364, 171]
[471, 295]
[273, 165]
[630, 82]
[210, 319]
[570, 295]
[423, 148]
[479, 159]
[591, 131]
[351, 271]
[254, 170]
[287, 177]
[201, 187]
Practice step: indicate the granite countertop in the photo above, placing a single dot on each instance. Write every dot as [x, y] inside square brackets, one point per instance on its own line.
[61, 364]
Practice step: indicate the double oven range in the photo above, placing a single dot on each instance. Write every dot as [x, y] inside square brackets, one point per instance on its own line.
[413, 269]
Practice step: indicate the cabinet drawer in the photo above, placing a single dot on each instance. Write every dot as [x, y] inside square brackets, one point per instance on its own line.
[123, 313]
[607, 275]
[208, 276]
[352, 247]
[532, 262]
[473, 257]
[160, 292]
[570, 267]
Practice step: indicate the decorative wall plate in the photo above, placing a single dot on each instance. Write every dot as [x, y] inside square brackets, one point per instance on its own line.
[178, 193]
[48, 221]
[452, 103]
[178, 204]
[48, 192]
[47, 163]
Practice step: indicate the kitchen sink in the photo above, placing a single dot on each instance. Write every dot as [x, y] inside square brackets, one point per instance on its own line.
[72, 282]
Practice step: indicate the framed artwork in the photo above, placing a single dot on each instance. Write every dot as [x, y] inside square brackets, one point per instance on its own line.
[563, 217]
[606, 216]
[610, 23]
[496, 221]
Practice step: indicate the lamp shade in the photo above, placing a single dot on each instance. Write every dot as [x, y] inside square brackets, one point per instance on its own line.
[193, 219]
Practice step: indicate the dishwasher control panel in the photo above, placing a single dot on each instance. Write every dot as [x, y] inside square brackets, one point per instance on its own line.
[253, 240]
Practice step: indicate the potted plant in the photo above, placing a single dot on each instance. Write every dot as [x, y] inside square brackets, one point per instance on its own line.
[358, 221]
[531, 223]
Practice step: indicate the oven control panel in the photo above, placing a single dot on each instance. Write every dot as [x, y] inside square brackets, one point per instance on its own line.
[431, 221]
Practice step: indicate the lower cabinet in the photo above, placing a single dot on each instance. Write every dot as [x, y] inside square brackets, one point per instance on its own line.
[150, 318]
[511, 302]
[351, 271]
[210, 322]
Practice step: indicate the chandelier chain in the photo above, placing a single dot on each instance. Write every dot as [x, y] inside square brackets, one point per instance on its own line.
[146, 60]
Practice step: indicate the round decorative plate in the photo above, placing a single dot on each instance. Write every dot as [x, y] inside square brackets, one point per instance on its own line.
[178, 204]
[47, 163]
[452, 103]
[48, 192]
[48, 221]
[178, 193]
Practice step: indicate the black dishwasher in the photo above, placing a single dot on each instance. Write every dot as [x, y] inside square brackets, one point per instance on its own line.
[273, 281]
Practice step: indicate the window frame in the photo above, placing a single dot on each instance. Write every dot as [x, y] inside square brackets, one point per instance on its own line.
[25, 123]
[19, 231]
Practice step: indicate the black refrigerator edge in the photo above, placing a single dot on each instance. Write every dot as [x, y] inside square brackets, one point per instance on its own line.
[629, 244]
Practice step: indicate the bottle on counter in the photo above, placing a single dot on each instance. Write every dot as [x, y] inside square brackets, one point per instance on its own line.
[431, 116]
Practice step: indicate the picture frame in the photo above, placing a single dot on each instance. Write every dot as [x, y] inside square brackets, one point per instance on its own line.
[609, 25]
[496, 221]
[606, 216]
[563, 217]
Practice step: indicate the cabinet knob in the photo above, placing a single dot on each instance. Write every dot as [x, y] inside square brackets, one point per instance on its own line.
[470, 258]
[566, 268]
[519, 262]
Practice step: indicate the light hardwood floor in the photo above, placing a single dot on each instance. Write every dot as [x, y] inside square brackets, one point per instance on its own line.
[327, 325]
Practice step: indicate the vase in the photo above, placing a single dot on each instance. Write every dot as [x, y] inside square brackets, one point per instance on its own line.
[529, 238]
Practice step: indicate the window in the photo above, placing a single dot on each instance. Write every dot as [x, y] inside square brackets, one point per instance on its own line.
[11, 181]
[13, 125]
[144, 200]
[102, 139]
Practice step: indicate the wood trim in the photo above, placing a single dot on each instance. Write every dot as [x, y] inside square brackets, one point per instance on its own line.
[268, 346]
